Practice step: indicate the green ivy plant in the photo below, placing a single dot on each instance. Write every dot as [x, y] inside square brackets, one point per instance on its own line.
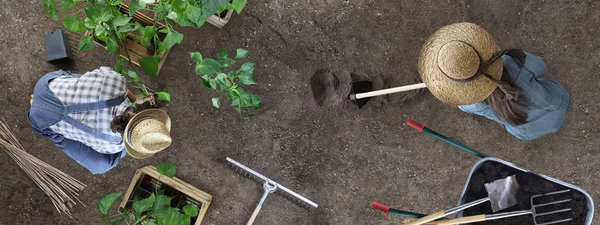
[153, 210]
[108, 22]
[218, 75]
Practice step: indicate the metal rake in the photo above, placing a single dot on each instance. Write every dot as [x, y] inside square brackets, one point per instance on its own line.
[269, 187]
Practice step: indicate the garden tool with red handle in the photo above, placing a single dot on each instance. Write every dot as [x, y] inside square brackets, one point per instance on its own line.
[422, 128]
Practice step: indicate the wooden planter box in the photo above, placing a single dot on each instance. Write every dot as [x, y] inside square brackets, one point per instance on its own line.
[145, 182]
[136, 50]
[219, 21]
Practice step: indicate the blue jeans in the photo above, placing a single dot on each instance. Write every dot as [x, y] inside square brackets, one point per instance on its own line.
[95, 162]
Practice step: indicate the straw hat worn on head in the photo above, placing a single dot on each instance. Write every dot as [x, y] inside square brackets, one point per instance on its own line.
[457, 63]
[147, 133]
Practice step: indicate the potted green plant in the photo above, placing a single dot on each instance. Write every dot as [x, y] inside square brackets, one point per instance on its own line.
[127, 31]
[219, 76]
[225, 12]
[156, 197]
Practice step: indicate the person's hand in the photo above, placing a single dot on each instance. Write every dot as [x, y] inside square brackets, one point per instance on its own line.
[141, 100]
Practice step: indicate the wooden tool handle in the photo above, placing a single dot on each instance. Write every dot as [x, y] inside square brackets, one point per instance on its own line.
[428, 218]
[390, 90]
[254, 214]
[468, 219]
[406, 220]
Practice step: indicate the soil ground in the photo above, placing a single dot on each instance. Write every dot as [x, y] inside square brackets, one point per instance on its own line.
[308, 136]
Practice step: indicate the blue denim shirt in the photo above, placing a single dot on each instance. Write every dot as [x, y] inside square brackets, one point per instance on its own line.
[549, 101]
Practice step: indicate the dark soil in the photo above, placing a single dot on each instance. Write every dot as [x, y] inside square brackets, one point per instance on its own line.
[530, 185]
[326, 149]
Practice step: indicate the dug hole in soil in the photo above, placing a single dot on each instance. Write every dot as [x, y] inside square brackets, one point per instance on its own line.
[530, 184]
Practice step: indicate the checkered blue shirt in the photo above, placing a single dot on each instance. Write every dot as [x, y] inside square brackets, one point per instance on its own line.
[98, 85]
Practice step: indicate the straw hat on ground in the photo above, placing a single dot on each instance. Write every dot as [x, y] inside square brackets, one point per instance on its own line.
[147, 133]
[452, 61]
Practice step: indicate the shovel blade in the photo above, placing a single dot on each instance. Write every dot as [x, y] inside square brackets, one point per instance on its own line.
[502, 193]
[360, 87]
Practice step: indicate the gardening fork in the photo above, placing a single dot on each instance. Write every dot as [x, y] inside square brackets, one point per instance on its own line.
[535, 211]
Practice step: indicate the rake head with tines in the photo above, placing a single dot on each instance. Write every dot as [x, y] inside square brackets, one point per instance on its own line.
[546, 209]
[269, 186]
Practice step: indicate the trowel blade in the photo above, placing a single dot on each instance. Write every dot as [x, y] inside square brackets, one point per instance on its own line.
[502, 193]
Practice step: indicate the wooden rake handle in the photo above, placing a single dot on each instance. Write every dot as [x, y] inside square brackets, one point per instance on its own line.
[427, 219]
[462, 220]
[406, 220]
[390, 90]
[468, 219]
[254, 214]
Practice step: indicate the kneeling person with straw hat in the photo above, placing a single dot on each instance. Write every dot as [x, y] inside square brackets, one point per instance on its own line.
[82, 113]
[462, 65]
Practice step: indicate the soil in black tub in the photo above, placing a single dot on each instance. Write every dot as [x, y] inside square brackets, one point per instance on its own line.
[530, 184]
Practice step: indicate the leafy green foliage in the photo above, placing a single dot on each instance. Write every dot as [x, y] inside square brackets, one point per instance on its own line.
[217, 75]
[67, 4]
[133, 75]
[134, 7]
[162, 202]
[190, 210]
[163, 95]
[105, 23]
[216, 102]
[167, 169]
[144, 204]
[106, 201]
[173, 37]
[85, 43]
[112, 44]
[223, 54]
[238, 5]
[149, 64]
[114, 2]
[241, 53]
[153, 210]
[208, 66]
[50, 9]
[196, 56]
[119, 66]
[120, 21]
[73, 23]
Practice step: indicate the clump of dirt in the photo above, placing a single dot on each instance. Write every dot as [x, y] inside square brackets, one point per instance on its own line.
[325, 87]
[530, 185]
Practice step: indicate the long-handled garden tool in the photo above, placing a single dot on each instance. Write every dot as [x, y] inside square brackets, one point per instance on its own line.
[422, 128]
[269, 186]
[362, 91]
[501, 195]
[538, 204]
[389, 210]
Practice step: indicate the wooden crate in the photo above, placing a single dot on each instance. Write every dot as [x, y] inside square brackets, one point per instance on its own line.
[190, 192]
[136, 50]
[218, 21]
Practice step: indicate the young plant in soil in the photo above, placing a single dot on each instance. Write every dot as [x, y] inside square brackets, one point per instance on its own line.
[219, 76]
[111, 23]
[153, 210]
[236, 5]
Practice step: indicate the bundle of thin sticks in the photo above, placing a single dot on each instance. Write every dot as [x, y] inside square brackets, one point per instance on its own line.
[60, 187]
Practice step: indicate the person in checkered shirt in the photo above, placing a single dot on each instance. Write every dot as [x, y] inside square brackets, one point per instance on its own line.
[84, 114]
